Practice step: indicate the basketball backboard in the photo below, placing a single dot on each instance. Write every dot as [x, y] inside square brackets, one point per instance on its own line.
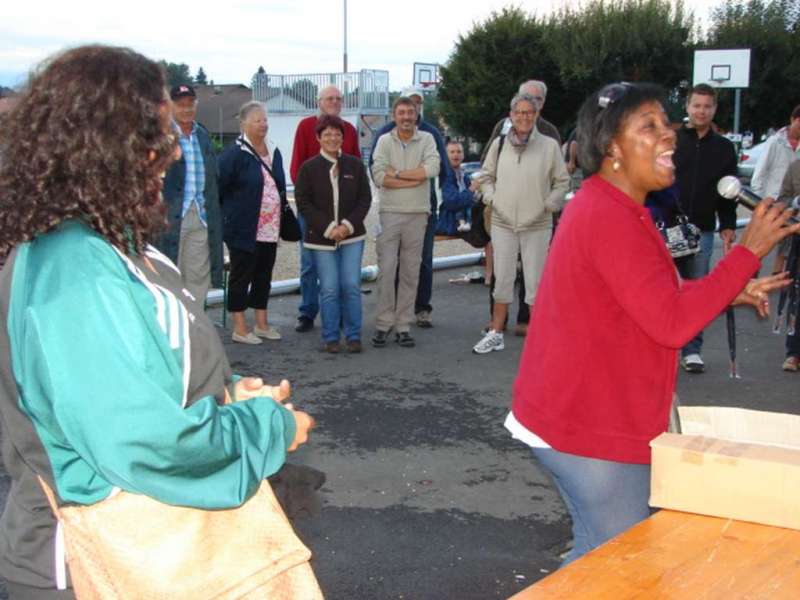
[722, 68]
[426, 75]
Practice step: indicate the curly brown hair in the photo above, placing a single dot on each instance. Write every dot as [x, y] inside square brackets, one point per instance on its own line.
[89, 139]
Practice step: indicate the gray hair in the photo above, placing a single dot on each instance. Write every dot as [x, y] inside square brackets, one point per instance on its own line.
[249, 107]
[325, 89]
[524, 98]
[540, 84]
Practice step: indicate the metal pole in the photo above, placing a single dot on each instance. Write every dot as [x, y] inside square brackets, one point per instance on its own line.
[737, 110]
[345, 37]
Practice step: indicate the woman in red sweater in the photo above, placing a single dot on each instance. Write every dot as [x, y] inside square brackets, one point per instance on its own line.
[610, 302]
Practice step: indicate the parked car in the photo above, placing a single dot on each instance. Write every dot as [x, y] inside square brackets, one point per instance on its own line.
[748, 160]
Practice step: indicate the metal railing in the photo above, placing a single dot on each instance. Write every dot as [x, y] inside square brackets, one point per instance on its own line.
[363, 92]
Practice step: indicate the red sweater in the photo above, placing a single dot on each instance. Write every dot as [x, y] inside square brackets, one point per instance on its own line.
[306, 145]
[597, 373]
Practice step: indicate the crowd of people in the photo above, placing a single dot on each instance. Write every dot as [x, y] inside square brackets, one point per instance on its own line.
[88, 300]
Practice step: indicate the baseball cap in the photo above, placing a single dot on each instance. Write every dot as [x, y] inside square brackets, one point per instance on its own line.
[181, 91]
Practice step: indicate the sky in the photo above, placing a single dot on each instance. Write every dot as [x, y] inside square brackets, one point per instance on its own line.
[230, 39]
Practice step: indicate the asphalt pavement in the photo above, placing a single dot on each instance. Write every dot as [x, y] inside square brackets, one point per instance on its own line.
[427, 496]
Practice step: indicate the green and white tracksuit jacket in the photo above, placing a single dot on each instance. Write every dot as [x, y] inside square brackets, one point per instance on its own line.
[112, 377]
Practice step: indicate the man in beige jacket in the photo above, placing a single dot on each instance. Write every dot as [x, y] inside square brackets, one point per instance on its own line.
[404, 161]
[526, 183]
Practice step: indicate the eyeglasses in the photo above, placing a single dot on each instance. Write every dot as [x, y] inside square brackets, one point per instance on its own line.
[525, 113]
[612, 93]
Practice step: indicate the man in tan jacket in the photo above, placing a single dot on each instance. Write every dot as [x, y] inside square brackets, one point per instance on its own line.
[526, 183]
[404, 161]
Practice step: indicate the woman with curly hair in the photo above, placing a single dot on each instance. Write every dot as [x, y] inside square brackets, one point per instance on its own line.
[111, 376]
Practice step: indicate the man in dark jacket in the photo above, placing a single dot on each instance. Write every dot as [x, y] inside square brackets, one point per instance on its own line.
[193, 240]
[702, 157]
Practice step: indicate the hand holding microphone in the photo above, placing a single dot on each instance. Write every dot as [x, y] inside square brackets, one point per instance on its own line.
[769, 223]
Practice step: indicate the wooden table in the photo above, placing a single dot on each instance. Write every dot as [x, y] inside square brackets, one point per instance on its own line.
[682, 556]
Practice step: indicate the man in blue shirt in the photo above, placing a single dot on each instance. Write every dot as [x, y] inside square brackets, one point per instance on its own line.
[194, 238]
[422, 305]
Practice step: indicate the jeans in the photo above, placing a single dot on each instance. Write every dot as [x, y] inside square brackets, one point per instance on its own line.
[425, 286]
[340, 290]
[309, 285]
[604, 498]
[696, 267]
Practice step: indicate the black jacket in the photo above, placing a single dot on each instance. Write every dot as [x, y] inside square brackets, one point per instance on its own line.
[699, 164]
[313, 194]
[241, 186]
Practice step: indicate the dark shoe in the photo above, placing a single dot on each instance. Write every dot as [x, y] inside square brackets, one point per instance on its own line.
[521, 330]
[404, 339]
[354, 346]
[304, 324]
[331, 347]
[379, 339]
[424, 319]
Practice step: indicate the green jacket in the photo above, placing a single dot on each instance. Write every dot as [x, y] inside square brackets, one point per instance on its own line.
[111, 380]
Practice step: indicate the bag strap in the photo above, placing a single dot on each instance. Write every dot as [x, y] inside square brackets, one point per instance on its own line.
[281, 194]
[51, 497]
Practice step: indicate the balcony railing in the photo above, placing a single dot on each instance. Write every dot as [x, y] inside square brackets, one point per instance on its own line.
[363, 92]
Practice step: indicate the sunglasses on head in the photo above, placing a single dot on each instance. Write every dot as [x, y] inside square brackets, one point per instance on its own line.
[612, 93]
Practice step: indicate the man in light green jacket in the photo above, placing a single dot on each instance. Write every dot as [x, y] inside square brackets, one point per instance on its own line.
[404, 162]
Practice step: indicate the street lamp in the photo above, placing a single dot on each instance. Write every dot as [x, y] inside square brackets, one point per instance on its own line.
[345, 36]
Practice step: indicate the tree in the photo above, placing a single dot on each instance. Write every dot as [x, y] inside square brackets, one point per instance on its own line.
[618, 40]
[200, 78]
[771, 30]
[177, 73]
[486, 68]
[305, 91]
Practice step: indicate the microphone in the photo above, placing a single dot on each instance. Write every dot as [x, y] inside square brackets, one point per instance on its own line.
[731, 188]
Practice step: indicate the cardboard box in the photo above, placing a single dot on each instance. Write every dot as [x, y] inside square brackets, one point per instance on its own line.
[730, 462]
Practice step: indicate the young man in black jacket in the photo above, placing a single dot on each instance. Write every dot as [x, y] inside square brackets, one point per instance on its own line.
[702, 157]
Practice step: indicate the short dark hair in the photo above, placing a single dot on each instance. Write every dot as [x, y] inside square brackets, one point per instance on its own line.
[403, 100]
[602, 115]
[702, 89]
[795, 113]
[326, 121]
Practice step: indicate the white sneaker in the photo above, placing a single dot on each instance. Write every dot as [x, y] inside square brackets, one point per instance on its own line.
[250, 338]
[270, 333]
[491, 341]
[463, 227]
[693, 363]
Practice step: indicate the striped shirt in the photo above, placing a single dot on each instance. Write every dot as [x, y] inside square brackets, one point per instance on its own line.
[194, 186]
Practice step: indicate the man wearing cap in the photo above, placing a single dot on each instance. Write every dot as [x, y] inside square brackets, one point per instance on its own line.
[306, 146]
[194, 238]
[422, 304]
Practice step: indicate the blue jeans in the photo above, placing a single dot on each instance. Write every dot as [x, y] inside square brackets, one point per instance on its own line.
[697, 266]
[309, 286]
[425, 287]
[604, 498]
[340, 290]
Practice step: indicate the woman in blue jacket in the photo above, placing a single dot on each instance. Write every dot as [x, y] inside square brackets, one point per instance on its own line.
[252, 186]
